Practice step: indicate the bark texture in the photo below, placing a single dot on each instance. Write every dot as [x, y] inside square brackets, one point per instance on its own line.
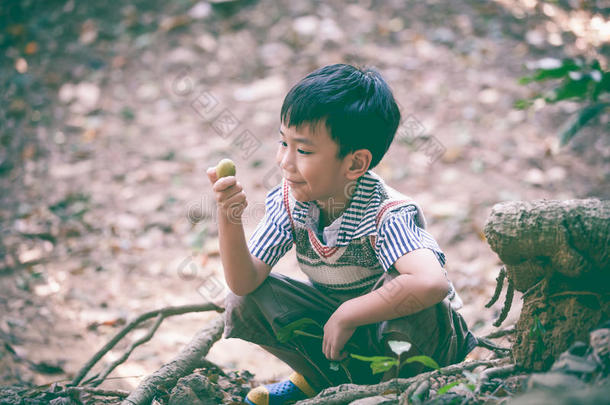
[556, 253]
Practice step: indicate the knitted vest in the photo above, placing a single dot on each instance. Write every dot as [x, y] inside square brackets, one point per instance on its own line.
[352, 268]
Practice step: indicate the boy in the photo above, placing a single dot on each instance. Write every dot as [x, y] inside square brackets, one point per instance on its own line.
[374, 273]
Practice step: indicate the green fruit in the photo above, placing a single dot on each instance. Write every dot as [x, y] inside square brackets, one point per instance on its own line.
[225, 168]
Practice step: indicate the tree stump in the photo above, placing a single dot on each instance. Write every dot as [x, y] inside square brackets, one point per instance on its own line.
[556, 253]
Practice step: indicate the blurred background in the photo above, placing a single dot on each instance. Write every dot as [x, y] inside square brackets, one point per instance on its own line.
[110, 114]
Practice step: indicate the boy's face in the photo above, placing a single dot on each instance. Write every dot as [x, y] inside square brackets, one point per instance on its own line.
[308, 160]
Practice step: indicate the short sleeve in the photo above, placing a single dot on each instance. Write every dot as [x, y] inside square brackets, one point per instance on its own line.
[272, 237]
[399, 235]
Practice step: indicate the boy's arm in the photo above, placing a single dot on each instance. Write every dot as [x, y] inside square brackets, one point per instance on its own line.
[243, 272]
[421, 284]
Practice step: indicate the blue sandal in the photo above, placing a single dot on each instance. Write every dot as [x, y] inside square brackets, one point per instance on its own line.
[295, 388]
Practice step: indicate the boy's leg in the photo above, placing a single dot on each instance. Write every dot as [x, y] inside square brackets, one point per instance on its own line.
[438, 332]
[278, 301]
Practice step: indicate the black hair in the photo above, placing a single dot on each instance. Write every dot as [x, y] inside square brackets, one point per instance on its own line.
[356, 105]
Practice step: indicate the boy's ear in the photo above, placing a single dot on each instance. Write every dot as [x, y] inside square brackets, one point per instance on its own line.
[360, 161]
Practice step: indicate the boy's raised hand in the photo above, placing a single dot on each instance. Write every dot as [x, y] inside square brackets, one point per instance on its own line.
[229, 194]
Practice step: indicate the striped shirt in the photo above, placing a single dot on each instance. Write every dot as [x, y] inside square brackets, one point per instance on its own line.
[379, 226]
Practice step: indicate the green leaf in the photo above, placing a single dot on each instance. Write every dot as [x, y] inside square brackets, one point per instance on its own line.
[603, 86]
[523, 104]
[584, 116]
[399, 347]
[383, 366]
[425, 360]
[379, 364]
[371, 358]
[127, 114]
[571, 89]
[595, 65]
[557, 73]
[567, 66]
[445, 388]
[287, 333]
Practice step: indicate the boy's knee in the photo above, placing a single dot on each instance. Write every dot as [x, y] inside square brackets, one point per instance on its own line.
[239, 315]
[234, 302]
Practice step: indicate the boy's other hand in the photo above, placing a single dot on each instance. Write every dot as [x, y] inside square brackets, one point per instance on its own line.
[337, 332]
[229, 194]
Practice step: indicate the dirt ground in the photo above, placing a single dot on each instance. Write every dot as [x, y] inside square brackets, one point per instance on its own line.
[111, 214]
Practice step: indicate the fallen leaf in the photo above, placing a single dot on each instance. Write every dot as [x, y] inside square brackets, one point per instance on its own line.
[31, 48]
[171, 23]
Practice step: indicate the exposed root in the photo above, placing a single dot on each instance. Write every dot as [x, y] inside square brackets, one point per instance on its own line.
[188, 359]
[346, 393]
[498, 350]
[159, 314]
[498, 290]
[508, 302]
[501, 333]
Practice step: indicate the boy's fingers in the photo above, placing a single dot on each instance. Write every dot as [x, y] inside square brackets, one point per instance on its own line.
[224, 183]
[226, 195]
[211, 172]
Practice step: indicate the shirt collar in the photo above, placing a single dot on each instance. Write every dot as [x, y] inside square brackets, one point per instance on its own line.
[362, 201]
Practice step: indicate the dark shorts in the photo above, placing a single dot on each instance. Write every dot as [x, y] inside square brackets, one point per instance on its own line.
[438, 331]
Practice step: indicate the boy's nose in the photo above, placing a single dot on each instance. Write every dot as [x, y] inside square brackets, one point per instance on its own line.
[286, 162]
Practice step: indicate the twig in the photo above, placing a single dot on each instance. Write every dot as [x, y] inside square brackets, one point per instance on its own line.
[303, 333]
[493, 372]
[532, 288]
[408, 393]
[498, 290]
[508, 302]
[346, 393]
[311, 335]
[187, 360]
[347, 373]
[500, 333]
[563, 293]
[420, 392]
[487, 344]
[567, 293]
[300, 348]
[98, 391]
[166, 312]
[102, 376]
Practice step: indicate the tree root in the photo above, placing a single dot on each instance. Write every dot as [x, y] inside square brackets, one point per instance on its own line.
[347, 393]
[420, 392]
[98, 392]
[187, 360]
[498, 350]
[498, 290]
[159, 314]
[508, 302]
[494, 372]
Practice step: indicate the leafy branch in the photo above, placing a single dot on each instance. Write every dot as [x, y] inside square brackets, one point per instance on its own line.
[579, 81]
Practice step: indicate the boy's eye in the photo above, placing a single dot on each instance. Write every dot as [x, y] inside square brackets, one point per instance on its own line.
[302, 152]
